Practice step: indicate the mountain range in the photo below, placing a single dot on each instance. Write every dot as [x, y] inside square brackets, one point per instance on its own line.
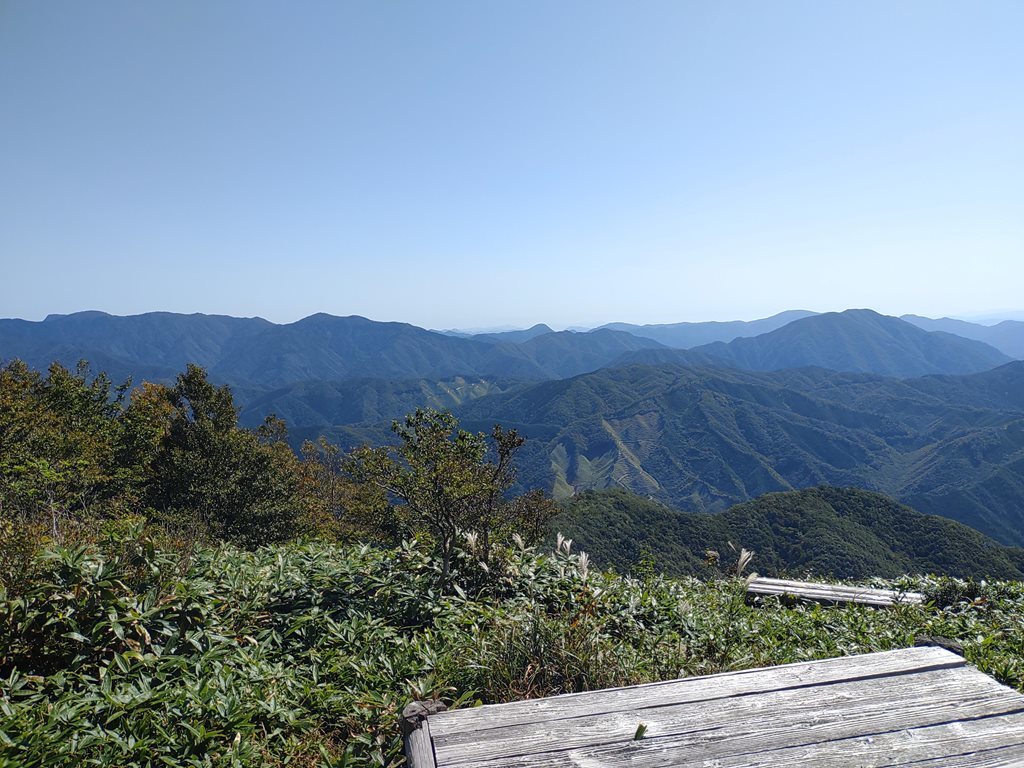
[1007, 336]
[702, 439]
[856, 340]
[687, 335]
[252, 353]
[854, 398]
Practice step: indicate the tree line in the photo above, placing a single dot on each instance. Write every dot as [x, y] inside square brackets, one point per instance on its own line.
[80, 456]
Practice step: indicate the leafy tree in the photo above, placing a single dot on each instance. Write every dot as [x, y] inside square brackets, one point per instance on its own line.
[59, 442]
[242, 486]
[444, 481]
[336, 507]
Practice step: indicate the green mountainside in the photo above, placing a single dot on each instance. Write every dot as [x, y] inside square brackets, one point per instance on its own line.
[857, 340]
[317, 403]
[703, 439]
[823, 531]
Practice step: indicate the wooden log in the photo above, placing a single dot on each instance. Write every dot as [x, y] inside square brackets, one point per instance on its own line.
[831, 593]
[906, 596]
[419, 746]
[823, 597]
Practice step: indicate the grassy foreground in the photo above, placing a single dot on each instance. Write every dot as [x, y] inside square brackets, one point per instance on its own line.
[305, 654]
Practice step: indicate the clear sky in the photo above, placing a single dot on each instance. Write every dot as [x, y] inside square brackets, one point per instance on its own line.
[468, 164]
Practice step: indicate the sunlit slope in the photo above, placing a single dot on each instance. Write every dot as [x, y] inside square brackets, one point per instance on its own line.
[703, 439]
[842, 532]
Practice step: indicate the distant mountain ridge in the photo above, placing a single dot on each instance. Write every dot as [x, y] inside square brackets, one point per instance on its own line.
[155, 345]
[857, 340]
[253, 353]
[1007, 336]
[687, 335]
[515, 337]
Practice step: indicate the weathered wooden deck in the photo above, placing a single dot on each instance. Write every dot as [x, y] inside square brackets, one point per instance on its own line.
[835, 594]
[918, 706]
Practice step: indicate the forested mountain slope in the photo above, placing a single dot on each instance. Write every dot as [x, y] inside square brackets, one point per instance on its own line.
[707, 438]
[319, 404]
[824, 531]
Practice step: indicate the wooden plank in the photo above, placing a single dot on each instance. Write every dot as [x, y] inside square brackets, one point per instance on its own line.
[419, 748]
[823, 596]
[983, 743]
[838, 593]
[800, 583]
[989, 741]
[712, 729]
[906, 596]
[827, 598]
[712, 734]
[725, 685]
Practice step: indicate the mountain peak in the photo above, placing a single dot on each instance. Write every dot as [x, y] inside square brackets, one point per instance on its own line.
[83, 315]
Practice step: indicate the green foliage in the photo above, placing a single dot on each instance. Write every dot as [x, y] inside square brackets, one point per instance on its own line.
[305, 654]
[59, 439]
[61, 460]
[446, 481]
[242, 485]
[75, 453]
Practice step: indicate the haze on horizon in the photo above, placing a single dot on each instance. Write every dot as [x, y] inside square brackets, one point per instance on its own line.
[463, 164]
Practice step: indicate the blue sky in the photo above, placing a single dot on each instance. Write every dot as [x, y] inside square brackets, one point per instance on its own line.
[457, 164]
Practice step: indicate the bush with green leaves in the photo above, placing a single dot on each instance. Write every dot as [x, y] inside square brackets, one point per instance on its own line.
[305, 653]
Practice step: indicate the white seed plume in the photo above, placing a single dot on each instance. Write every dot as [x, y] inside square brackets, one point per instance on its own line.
[584, 565]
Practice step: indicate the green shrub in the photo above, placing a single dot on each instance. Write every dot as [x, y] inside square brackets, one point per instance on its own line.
[128, 653]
